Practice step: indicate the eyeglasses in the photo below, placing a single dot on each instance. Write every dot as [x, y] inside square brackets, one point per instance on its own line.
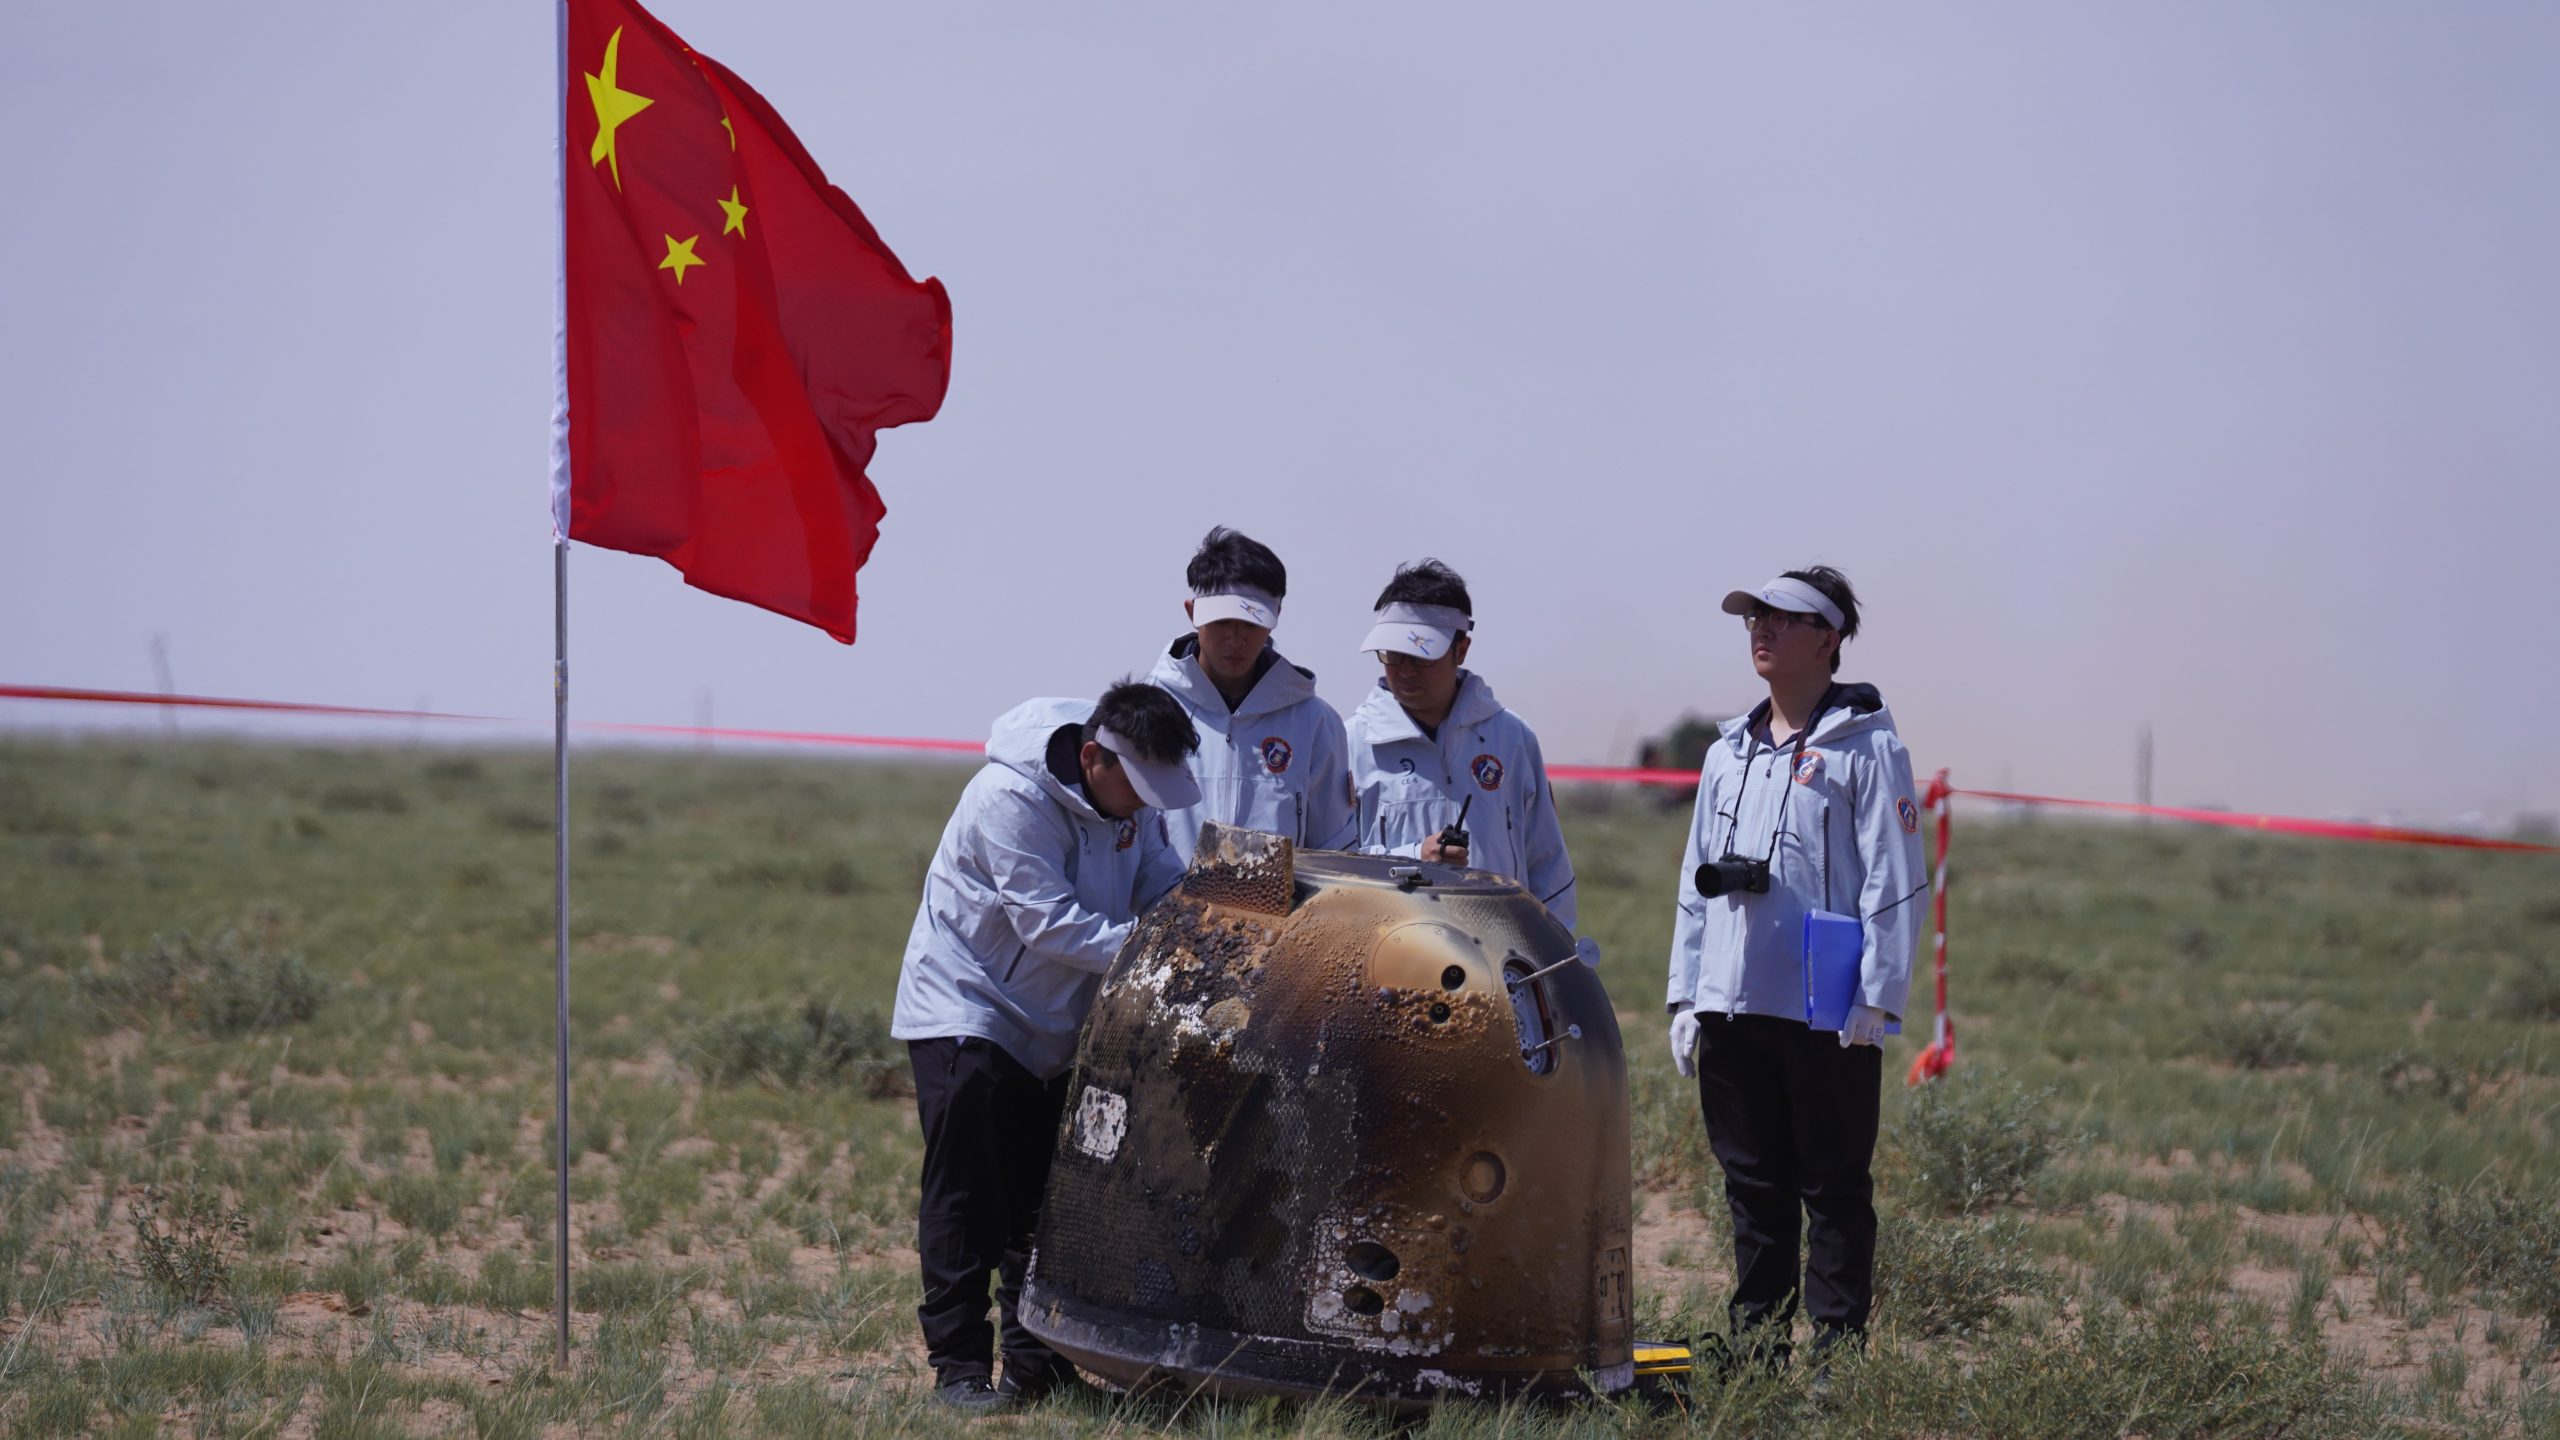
[1778, 620]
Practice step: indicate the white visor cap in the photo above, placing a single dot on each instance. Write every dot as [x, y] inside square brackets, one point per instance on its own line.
[1426, 631]
[1250, 606]
[1784, 594]
[1161, 784]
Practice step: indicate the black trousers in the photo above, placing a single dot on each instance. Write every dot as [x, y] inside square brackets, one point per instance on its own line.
[989, 1127]
[1791, 1117]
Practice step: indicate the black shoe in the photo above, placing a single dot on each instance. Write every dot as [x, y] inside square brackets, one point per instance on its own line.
[1029, 1386]
[1830, 1345]
[971, 1395]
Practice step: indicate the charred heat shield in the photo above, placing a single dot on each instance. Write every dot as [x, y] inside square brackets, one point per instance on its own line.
[1348, 1125]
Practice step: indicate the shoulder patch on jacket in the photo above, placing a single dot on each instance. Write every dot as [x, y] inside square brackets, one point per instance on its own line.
[1910, 814]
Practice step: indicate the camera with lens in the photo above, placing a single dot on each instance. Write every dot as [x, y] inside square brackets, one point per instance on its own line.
[1733, 875]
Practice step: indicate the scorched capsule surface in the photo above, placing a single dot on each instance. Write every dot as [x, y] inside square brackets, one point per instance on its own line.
[1342, 1124]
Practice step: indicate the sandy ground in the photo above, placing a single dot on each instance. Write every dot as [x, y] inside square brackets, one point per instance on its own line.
[1677, 1254]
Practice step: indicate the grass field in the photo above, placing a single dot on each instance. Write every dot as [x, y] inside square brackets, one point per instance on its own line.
[2249, 1136]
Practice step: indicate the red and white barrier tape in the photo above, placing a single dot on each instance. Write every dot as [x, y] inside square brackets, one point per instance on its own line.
[1933, 1061]
[1570, 774]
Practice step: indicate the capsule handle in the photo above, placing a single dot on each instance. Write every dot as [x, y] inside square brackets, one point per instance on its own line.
[1571, 1032]
[1516, 981]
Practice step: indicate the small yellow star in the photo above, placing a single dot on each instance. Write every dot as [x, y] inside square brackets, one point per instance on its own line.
[736, 212]
[613, 106]
[679, 255]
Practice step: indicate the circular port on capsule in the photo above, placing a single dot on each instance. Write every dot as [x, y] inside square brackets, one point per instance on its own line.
[1373, 1261]
[1481, 1177]
[1439, 1011]
[1361, 1300]
[1454, 978]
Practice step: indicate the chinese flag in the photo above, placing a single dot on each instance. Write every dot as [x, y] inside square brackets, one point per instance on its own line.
[735, 331]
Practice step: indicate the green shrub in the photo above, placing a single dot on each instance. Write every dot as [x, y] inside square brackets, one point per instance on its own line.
[2489, 1235]
[359, 1276]
[229, 986]
[364, 800]
[620, 1287]
[184, 1243]
[428, 1202]
[833, 877]
[1952, 1277]
[2188, 1369]
[1973, 1144]
[2530, 991]
[510, 1282]
[822, 1046]
[2404, 1073]
[2262, 1037]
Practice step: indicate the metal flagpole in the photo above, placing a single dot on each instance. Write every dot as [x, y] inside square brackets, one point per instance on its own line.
[560, 904]
[560, 669]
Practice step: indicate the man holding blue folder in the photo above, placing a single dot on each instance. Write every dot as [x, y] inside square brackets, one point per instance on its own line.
[1791, 959]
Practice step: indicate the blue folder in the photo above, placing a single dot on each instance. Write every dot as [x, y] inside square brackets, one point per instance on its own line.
[1833, 945]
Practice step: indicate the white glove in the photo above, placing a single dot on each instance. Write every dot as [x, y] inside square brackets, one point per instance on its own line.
[1684, 1042]
[1865, 1026]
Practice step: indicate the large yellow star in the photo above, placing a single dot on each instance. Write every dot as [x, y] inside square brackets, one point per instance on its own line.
[679, 255]
[736, 212]
[613, 106]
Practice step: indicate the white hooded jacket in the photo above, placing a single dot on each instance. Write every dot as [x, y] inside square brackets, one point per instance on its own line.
[1845, 822]
[1412, 785]
[1028, 899]
[1277, 762]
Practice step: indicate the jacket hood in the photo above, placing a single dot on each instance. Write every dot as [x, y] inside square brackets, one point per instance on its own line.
[1854, 707]
[1280, 687]
[1020, 743]
[1387, 721]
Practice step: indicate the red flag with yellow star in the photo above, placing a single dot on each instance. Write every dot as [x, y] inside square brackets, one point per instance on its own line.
[735, 332]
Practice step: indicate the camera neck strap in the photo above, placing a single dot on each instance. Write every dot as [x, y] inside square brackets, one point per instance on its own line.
[1795, 762]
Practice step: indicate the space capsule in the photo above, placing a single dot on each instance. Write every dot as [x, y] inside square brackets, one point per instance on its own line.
[1347, 1125]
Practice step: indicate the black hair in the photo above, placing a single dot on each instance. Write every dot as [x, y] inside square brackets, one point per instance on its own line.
[1428, 582]
[1229, 558]
[1835, 588]
[1148, 717]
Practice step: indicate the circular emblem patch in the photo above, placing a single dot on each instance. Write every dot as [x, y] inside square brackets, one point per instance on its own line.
[1910, 814]
[1275, 754]
[1488, 771]
[1128, 834]
[1809, 769]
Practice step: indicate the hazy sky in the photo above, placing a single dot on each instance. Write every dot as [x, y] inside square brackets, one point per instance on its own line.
[2190, 363]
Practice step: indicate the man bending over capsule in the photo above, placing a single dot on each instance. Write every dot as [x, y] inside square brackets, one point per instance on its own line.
[1047, 859]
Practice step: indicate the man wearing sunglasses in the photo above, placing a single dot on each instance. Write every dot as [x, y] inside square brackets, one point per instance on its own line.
[1432, 740]
[1805, 804]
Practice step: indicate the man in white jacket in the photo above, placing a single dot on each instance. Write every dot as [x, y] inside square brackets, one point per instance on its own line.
[1047, 860]
[1272, 756]
[1431, 740]
[1804, 804]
